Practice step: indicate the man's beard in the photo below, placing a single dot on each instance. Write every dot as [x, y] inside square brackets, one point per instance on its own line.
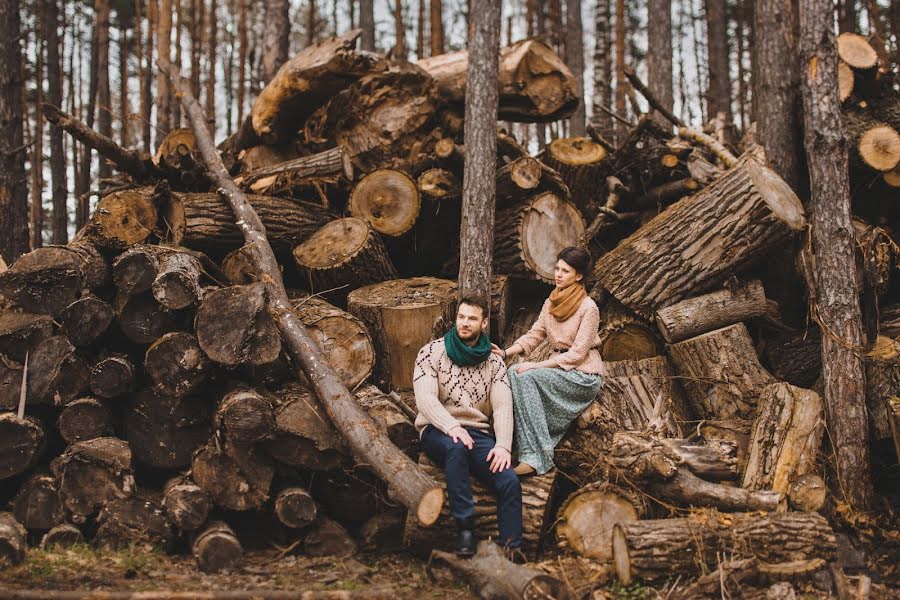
[470, 338]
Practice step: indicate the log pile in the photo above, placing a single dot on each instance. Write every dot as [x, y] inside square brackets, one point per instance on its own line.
[158, 389]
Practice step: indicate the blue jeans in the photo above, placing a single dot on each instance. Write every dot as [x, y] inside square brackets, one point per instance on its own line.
[458, 461]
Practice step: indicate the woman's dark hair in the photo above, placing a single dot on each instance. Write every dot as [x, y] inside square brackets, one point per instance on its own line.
[577, 258]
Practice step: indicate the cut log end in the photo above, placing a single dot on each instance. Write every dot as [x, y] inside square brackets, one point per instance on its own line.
[333, 245]
[620, 555]
[125, 218]
[892, 177]
[576, 151]
[217, 549]
[429, 508]
[778, 195]
[807, 493]
[845, 80]
[856, 51]
[879, 147]
[388, 200]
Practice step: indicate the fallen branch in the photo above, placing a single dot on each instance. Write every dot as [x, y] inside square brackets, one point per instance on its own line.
[651, 99]
[406, 483]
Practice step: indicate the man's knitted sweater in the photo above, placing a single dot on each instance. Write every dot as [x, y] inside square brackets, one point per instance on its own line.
[448, 395]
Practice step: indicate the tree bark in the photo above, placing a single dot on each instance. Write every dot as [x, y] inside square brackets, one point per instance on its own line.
[37, 504]
[400, 50]
[36, 217]
[234, 328]
[702, 314]
[718, 95]
[602, 68]
[147, 74]
[367, 24]
[585, 521]
[163, 93]
[22, 441]
[13, 189]
[244, 417]
[575, 61]
[237, 477]
[176, 365]
[217, 548]
[186, 505]
[387, 199]
[93, 472]
[135, 520]
[659, 55]
[59, 194]
[164, 431]
[212, 43]
[295, 508]
[276, 38]
[436, 27]
[112, 376]
[12, 535]
[837, 304]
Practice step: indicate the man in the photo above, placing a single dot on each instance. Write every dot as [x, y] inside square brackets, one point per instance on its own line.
[459, 385]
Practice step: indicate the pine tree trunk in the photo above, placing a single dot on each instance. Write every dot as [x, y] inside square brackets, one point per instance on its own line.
[243, 43]
[196, 24]
[59, 193]
[147, 75]
[718, 95]
[436, 27]
[621, 82]
[832, 239]
[367, 24]
[212, 43]
[276, 38]
[775, 87]
[163, 92]
[575, 62]
[399, 31]
[37, 155]
[601, 120]
[659, 54]
[13, 191]
[420, 31]
[312, 16]
[124, 110]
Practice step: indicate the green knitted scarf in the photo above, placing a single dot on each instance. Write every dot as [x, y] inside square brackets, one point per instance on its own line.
[464, 355]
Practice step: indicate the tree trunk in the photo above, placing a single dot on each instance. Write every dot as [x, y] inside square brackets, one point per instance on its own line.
[186, 505]
[212, 43]
[479, 171]
[328, 538]
[295, 508]
[22, 442]
[390, 418]
[37, 504]
[176, 365]
[123, 522]
[59, 193]
[583, 166]
[402, 315]
[112, 376]
[367, 24]
[56, 374]
[311, 23]
[217, 548]
[12, 535]
[837, 303]
[585, 522]
[874, 144]
[659, 55]
[36, 217]
[621, 82]
[882, 369]
[22, 332]
[721, 373]
[718, 95]
[575, 61]
[197, 9]
[786, 437]
[93, 472]
[179, 25]
[657, 265]
[775, 87]
[602, 68]
[125, 23]
[702, 314]
[164, 431]
[276, 38]
[625, 336]
[13, 191]
[244, 417]
[234, 328]
[236, 477]
[400, 50]
[147, 74]
[143, 320]
[436, 27]
[163, 94]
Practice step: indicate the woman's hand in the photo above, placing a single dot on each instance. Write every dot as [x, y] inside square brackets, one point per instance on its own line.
[525, 366]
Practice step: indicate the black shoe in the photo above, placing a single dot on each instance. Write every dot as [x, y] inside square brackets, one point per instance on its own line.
[465, 538]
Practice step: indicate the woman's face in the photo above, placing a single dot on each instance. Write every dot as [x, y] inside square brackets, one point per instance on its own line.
[565, 275]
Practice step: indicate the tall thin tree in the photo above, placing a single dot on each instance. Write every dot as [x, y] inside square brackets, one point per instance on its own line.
[178, 24]
[420, 31]
[212, 44]
[480, 139]
[147, 75]
[312, 16]
[13, 189]
[197, 35]
[836, 299]
[399, 30]
[163, 90]
[659, 53]
[436, 27]
[104, 95]
[276, 37]
[125, 22]
[575, 62]
[367, 24]
[36, 226]
[602, 65]
[242, 59]
[718, 96]
[83, 180]
[60, 215]
[620, 65]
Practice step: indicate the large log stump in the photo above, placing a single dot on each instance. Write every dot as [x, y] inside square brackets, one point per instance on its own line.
[93, 472]
[695, 316]
[56, 375]
[236, 477]
[172, 275]
[656, 549]
[86, 319]
[721, 373]
[786, 438]
[698, 241]
[112, 376]
[585, 521]
[874, 144]
[402, 316]
[164, 431]
[143, 319]
[234, 327]
[345, 253]
[217, 548]
[245, 416]
[882, 382]
[580, 162]
[136, 520]
[528, 236]
[295, 508]
[22, 332]
[21, 442]
[37, 504]
[84, 419]
[537, 493]
[187, 506]
[625, 336]
[125, 218]
[386, 199]
[328, 538]
[534, 83]
[13, 539]
[176, 365]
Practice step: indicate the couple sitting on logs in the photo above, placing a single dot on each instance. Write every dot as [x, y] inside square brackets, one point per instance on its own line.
[461, 382]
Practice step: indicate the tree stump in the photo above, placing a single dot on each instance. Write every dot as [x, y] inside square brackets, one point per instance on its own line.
[585, 521]
[721, 374]
[387, 200]
[22, 332]
[84, 419]
[695, 316]
[516, 180]
[698, 241]
[807, 493]
[537, 492]
[186, 505]
[86, 319]
[295, 508]
[112, 376]
[124, 218]
[176, 365]
[37, 505]
[624, 336]
[328, 538]
[529, 236]
[12, 539]
[164, 431]
[93, 472]
[345, 253]
[217, 548]
[235, 477]
[786, 438]
[143, 319]
[135, 520]
[856, 51]
[63, 535]
[580, 162]
[874, 145]
[403, 315]
[234, 327]
[244, 417]
[21, 443]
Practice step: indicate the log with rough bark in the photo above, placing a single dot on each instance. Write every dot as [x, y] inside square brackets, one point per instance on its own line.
[245, 416]
[406, 483]
[874, 144]
[86, 319]
[344, 255]
[125, 218]
[49, 279]
[187, 506]
[501, 300]
[672, 470]
[720, 373]
[84, 419]
[537, 492]
[205, 222]
[528, 236]
[580, 162]
[295, 508]
[796, 357]
[37, 504]
[403, 315]
[112, 376]
[12, 539]
[733, 431]
[698, 241]
[21, 442]
[143, 319]
[786, 437]
[342, 338]
[56, 374]
[807, 493]
[22, 332]
[307, 81]
[321, 169]
[647, 550]
[585, 521]
[625, 336]
[328, 538]
[139, 519]
[702, 314]
[516, 179]
[882, 367]
[176, 365]
[63, 535]
[388, 200]
[496, 577]
[303, 437]
[391, 419]
[234, 327]
[236, 477]
[164, 431]
[534, 83]
[93, 472]
[217, 548]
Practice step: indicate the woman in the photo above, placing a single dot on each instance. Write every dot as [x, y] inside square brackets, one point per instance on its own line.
[549, 395]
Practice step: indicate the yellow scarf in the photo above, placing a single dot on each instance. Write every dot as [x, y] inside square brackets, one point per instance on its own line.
[564, 303]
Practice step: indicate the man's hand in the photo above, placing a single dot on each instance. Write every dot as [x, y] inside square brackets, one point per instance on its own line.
[459, 434]
[500, 459]
[525, 366]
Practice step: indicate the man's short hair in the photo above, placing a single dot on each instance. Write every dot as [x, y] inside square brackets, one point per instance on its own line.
[475, 301]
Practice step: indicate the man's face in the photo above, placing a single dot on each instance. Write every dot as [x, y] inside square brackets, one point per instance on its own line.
[470, 322]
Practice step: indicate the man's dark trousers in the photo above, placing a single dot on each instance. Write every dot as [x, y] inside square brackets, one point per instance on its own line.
[458, 461]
